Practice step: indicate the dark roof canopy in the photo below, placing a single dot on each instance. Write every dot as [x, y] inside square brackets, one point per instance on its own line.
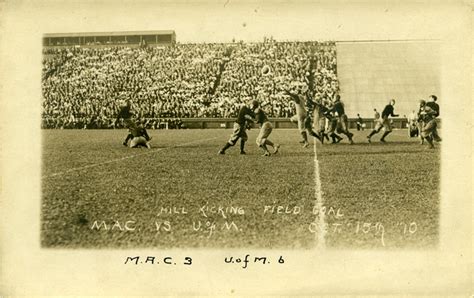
[80, 34]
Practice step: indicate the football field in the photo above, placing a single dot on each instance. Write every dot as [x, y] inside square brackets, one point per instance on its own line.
[181, 193]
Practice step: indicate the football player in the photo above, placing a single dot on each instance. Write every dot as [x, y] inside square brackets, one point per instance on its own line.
[420, 122]
[138, 136]
[265, 130]
[322, 115]
[300, 116]
[431, 111]
[435, 107]
[384, 122]
[341, 120]
[246, 115]
[126, 115]
[312, 116]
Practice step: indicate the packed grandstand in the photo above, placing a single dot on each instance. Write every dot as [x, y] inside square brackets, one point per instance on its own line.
[84, 87]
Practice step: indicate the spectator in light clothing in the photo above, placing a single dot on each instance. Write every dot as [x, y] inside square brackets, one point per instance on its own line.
[360, 125]
[179, 81]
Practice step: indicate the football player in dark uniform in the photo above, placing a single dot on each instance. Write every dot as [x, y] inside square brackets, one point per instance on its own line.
[435, 107]
[322, 114]
[342, 121]
[138, 136]
[126, 115]
[430, 113]
[384, 122]
[246, 115]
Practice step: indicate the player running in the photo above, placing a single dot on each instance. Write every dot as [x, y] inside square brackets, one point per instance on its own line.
[341, 120]
[322, 114]
[246, 115]
[384, 122]
[265, 130]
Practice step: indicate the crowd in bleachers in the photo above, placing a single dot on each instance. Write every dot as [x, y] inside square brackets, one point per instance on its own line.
[85, 87]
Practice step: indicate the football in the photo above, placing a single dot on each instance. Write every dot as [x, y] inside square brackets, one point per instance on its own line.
[265, 70]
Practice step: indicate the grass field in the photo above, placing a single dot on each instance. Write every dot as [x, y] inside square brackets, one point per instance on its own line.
[181, 193]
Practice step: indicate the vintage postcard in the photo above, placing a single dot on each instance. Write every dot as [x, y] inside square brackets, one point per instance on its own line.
[236, 148]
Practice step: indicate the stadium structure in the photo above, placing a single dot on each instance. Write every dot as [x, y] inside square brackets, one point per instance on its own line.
[181, 193]
[367, 74]
[130, 38]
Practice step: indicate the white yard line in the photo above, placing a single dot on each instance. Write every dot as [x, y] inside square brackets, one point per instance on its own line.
[320, 219]
[148, 151]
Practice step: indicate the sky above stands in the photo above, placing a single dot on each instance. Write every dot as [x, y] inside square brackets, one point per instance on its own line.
[221, 21]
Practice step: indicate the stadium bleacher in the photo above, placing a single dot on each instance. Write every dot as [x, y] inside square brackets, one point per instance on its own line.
[84, 87]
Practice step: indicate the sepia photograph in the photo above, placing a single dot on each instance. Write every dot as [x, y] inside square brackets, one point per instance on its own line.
[149, 141]
[254, 134]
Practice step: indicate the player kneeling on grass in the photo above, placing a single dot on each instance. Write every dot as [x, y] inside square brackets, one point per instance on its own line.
[246, 115]
[138, 137]
[384, 122]
[265, 130]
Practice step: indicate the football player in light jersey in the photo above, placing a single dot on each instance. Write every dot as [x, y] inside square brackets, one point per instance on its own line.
[265, 130]
[300, 103]
[306, 106]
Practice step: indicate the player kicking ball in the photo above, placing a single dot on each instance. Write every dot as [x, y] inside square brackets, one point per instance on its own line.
[265, 130]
